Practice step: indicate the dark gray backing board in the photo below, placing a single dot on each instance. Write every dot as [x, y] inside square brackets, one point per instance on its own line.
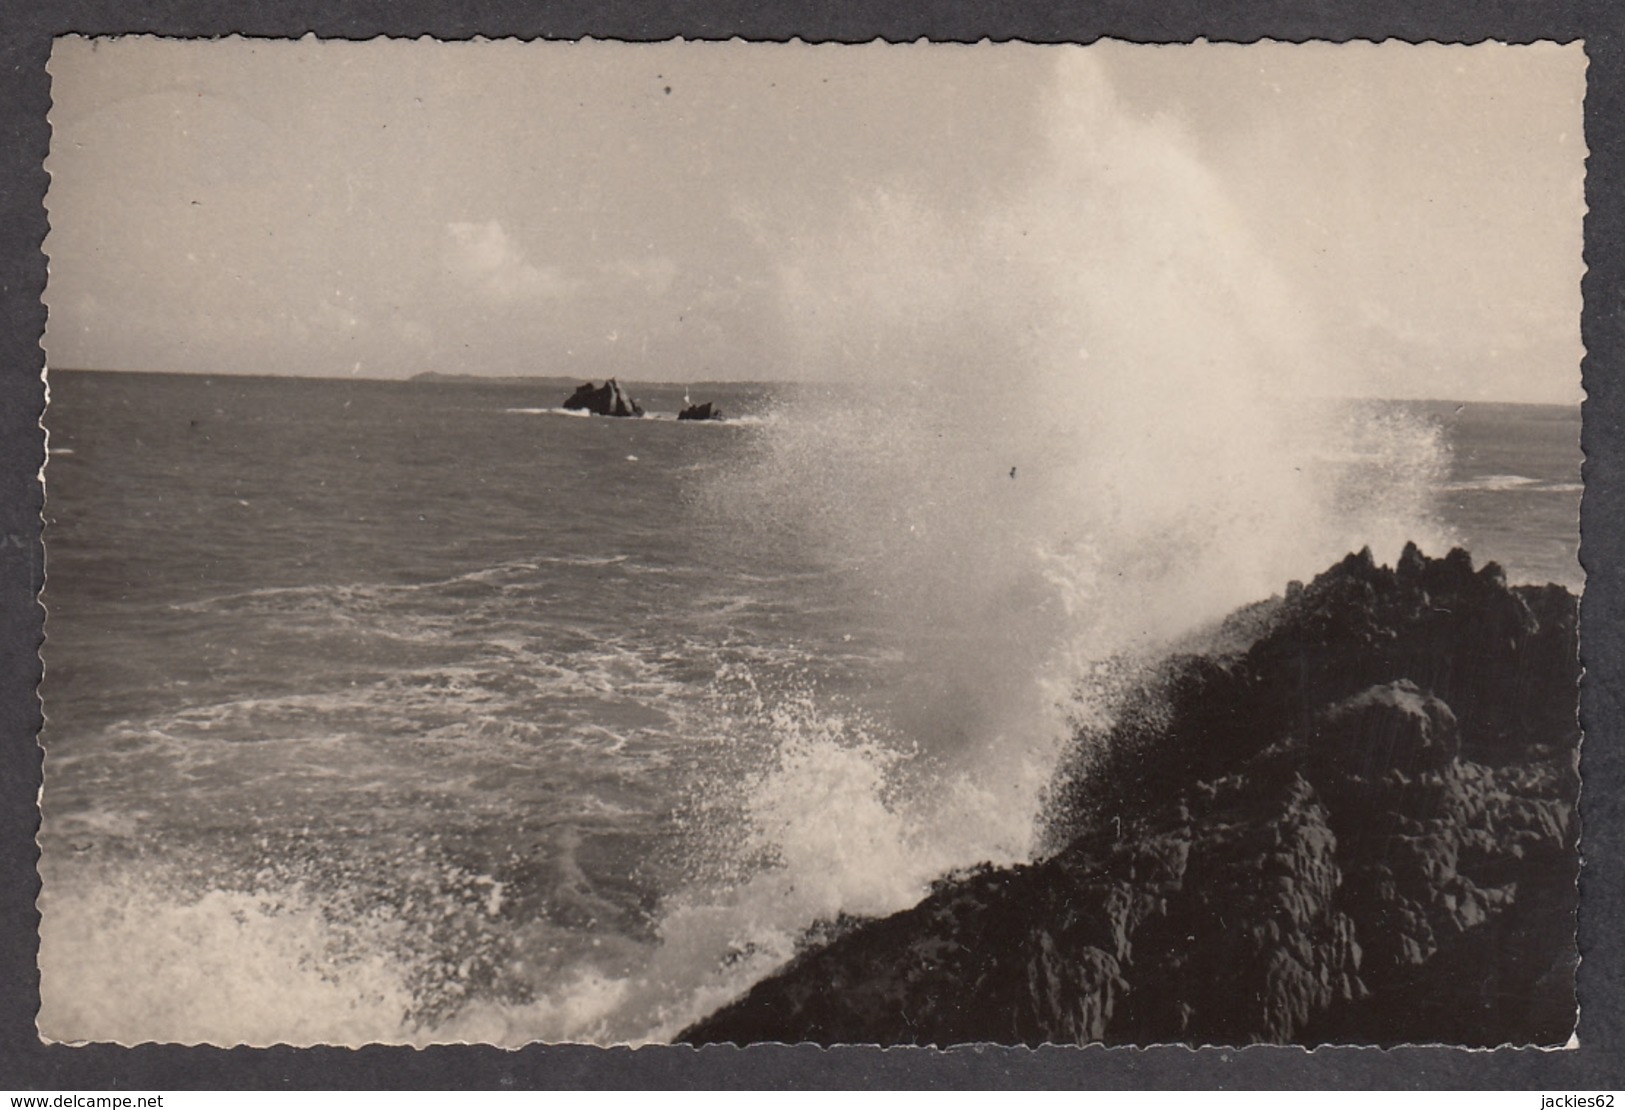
[24, 103]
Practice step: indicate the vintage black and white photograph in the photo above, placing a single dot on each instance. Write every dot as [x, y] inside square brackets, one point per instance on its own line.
[724, 542]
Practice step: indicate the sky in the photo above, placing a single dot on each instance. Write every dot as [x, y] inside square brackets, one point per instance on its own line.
[1394, 220]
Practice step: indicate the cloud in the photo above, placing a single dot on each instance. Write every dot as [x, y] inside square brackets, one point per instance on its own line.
[483, 257]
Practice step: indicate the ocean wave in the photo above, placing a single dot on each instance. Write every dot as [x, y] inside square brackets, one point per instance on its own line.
[748, 420]
[1493, 483]
[582, 413]
[515, 682]
[126, 960]
[802, 807]
[353, 595]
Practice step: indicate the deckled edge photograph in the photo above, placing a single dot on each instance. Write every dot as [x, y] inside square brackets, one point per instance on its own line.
[678, 1066]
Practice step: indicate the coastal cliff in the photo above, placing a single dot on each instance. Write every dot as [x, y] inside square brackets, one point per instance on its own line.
[1351, 819]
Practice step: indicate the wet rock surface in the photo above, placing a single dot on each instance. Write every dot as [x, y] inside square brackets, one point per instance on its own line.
[1359, 827]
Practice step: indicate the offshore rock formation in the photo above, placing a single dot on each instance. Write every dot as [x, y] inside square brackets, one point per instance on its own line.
[604, 400]
[1354, 825]
[706, 411]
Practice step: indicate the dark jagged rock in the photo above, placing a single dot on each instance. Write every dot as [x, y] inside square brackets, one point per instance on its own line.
[1356, 824]
[706, 411]
[1393, 727]
[604, 400]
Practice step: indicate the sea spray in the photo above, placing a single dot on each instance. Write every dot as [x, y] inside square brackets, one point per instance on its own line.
[136, 959]
[1071, 421]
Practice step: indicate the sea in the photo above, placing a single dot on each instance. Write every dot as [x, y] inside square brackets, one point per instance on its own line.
[425, 711]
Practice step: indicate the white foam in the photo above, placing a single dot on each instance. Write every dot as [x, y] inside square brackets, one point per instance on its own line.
[364, 595]
[130, 962]
[1492, 483]
[745, 420]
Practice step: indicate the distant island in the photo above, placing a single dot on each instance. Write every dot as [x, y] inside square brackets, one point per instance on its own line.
[490, 379]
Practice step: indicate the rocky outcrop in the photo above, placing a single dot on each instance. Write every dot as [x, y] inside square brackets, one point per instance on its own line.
[604, 400]
[705, 411]
[1358, 826]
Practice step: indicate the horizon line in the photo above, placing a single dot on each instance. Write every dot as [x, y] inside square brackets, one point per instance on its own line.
[446, 377]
